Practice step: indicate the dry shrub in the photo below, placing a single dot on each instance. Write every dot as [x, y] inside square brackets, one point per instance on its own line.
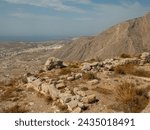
[89, 76]
[98, 59]
[8, 94]
[73, 65]
[103, 90]
[11, 82]
[125, 55]
[48, 99]
[31, 89]
[130, 99]
[65, 71]
[41, 71]
[131, 69]
[84, 89]
[124, 69]
[63, 108]
[40, 95]
[15, 109]
[141, 73]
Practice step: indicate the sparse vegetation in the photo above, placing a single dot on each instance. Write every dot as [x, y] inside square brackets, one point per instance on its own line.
[131, 69]
[8, 94]
[62, 108]
[15, 109]
[124, 55]
[89, 76]
[48, 99]
[124, 69]
[65, 71]
[73, 65]
[103, 90]
[129, 98]
[141, 73]
[84, 89]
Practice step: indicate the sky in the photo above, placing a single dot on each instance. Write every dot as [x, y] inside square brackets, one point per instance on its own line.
[65, 18]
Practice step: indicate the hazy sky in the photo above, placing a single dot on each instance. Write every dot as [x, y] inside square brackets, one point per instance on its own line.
[65, 17]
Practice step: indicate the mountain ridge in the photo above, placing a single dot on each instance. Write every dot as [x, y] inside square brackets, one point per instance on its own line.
[131, 37]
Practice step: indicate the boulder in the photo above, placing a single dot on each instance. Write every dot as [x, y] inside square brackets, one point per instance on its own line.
[75, 90]
[62, 77]
[78, 97]
[50, 90]
[54, 92]
[60, 81]
[31, 79]
[45, 88]
[53, 63]
[93, 82]
[89, 99]
[77, 110]
[86, 67]
[78, 75]
[94, 64]
[37, 84]
[80, 93]
[81, 105]
[60, 85]
[72, 104]
[126, 61]
[145, 57]
[65, 97]
[70, 78]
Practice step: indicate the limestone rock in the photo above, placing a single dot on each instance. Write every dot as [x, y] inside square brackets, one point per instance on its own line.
[65, 97]
[37, 84]
[60, 85]
[60, 81]
[72, 104]
[93, 82]
[78, 75]
[89, 99]
[81, 105]
[81, 93]
[53, 92]
[30, 79]
[45, 88]
[50, 90]
[71, 78]
[62, 77]
[75, 90]
[53, 63]
[126, 61]
[77, 110]
[145, 57]
[86, 67]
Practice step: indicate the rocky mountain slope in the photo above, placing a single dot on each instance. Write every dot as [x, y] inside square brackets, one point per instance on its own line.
[120, 84]
[130, 37]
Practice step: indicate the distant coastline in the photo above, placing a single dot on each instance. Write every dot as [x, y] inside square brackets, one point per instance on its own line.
[32, 38]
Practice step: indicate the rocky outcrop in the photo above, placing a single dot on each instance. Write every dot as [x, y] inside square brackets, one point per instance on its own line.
[145, 58]
[53, 63]
[63, 89]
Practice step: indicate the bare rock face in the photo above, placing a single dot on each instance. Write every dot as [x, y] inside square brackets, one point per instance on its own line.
[53, 63]
[129, 37]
